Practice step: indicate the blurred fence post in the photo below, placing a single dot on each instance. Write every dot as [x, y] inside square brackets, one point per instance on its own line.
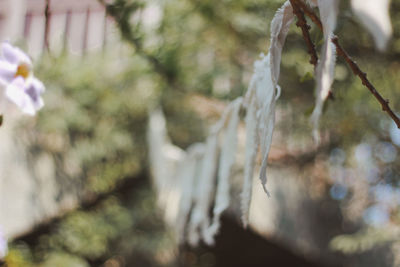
[86, 32]
[13, 24]
[67, 30]
[47, 15]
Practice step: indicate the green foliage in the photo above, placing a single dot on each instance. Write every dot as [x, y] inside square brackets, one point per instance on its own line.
[98, 114]
[111, 228]
[364, 240]
[94, 121]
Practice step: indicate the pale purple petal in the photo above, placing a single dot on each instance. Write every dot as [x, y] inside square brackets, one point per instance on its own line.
[14, 55]
[34, 89]
[38, 85]
[15, 92]
[9, 53]
[3, 245]
[7, 72]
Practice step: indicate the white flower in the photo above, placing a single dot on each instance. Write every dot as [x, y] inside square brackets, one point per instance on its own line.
[3, 245]
[16, 76]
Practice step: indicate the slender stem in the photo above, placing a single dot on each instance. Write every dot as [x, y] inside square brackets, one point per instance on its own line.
[310, 13]
[305, 28]
[353, 65]
[363, 77]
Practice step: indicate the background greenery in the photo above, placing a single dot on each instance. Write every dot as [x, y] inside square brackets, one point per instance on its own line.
[96, 113]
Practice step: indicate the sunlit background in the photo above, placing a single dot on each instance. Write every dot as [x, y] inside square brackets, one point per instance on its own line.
[75, 185]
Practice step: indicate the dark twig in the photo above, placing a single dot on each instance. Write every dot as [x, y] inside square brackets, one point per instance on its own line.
[47, 25]
[353, 65]
[310, 13]
[363, 77]
[305, 28]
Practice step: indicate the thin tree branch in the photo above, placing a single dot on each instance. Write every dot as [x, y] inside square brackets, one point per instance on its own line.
[310, 13]
[363, 77]
[305, 28]
[353, 65]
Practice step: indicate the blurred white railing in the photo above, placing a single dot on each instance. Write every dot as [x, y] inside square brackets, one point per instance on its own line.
[77, 26]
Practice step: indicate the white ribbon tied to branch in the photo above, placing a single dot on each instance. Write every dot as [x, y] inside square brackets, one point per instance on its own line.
[205, 165]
